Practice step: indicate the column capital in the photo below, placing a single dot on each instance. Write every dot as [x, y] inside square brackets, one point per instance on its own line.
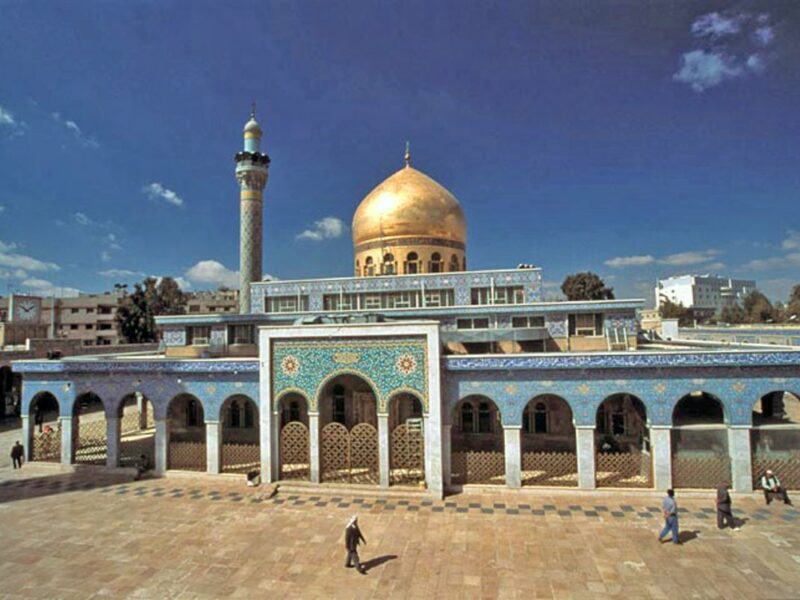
[511, 427]
[587, 427]
[668, 427]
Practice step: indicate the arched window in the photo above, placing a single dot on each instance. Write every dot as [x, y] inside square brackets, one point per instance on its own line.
[484, 418]
[454, 263]
[467, 418]
[369, 267]
[388, 264]
[435, 265]
[412, 263]
[540, 418]
[338, 404]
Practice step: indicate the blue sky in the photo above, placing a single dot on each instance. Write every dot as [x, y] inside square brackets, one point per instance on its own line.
[633, 139]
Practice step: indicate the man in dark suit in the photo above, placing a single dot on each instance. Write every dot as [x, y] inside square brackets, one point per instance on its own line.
[17, 454]
[352, 537]
[724, 514]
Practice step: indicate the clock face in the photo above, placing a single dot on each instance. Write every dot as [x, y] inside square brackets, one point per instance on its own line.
[28, 310]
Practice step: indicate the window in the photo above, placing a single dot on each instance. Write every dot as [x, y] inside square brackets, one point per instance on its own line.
[435, 265]
[284, 304]
[590, 324]
[467, 420]
[389, 266]
[338, 404]
[192, 413]
[105, 310]
[526, 322]
[369, 267]
[194, 308]
[484, 418]
[540, 418]
[340, 301]
[454, 263]
[90, 326]
[233, 414]
[371, 301]
[502, 295]
[198, 335]
[73, 326]
[74, 311]
[412, 263]
[241, 334]
[482, 323]
[439, 298]
[101, 326]
[89, 311]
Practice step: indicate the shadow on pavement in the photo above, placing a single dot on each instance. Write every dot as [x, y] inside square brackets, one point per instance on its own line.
[39, 485]
[377, 561]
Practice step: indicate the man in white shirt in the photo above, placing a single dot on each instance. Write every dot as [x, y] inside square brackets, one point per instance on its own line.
[772, 487]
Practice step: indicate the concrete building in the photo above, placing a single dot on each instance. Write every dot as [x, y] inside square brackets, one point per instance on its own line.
[419, 372]
[217, 301]
[706, 293]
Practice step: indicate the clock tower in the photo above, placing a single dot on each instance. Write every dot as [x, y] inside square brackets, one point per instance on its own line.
[24, 309]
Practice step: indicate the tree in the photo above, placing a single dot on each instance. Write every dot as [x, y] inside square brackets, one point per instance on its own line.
[586, 286]
[758, 308]
[136, 317]
[668, 309]
[733, 314]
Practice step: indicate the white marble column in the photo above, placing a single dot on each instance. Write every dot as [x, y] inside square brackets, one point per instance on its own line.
[584, 443]
[447, 470]
[741, 459]
[264, 441]
[213, 447]
[383, 449]
[313, 446]
[661, 449]
[27, 437]
[66, 440]
[162, 446]
[275, 446]
[113, 430]
[513, 455]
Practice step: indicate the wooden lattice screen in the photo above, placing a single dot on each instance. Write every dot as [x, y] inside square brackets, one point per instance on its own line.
[702, 472]
[188, 456]
[550, 468]
[294, 452]
[478, 467]
[90, 442]
[407, 455]
[624, 469]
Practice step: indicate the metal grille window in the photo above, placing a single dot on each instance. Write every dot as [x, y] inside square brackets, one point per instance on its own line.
[284, 304]
[590, 324]
[526, 322]
[198, 335]
[241, 334]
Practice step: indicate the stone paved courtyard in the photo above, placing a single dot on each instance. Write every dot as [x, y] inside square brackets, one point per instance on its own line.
[90, 534]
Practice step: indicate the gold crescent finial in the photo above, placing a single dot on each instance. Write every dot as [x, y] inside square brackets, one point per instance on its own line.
[408, 154]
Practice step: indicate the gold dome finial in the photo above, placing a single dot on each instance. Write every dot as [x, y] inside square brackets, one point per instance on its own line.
[408, 154]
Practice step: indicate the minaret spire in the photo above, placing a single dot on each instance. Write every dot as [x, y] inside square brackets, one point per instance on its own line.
[408, 154]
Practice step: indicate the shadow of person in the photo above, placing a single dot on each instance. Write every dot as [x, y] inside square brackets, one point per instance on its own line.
[687, 536]
[377, 561]
[737, 522]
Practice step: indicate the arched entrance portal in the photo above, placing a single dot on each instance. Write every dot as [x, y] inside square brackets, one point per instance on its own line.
[186, 428]
[407, 440]
[775, 438]
[294, 448]
[89, 433]
[137, 431]
[477, 448]
[548, 443]
[240, 435]
[699, 443]
[45, 442]
[349, 434]
[622, 443]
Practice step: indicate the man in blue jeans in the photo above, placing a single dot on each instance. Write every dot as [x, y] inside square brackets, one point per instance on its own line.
[670, 510]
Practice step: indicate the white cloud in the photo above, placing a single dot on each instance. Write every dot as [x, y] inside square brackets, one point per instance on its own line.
[327, 228]
[81, 219]
[790, 261]
[112, 242]
[47, 288]
[183, 283]
[10, 258]
[10, 125]
[703, 70]
[629, 261]
[715, 266]
[211, 272]
[71, 126]
[717, 25]
[105, 256]
[682, 259]
[792, 241]
[122, 273]
[156, 191]
[2, 208]
[755, 62]
[6, 118]
[764, 35]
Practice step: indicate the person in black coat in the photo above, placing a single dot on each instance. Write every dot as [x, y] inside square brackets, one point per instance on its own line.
[17, 453]
[724, 514]
[353, 537]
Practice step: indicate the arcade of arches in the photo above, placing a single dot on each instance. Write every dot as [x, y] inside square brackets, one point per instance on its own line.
[348, 441]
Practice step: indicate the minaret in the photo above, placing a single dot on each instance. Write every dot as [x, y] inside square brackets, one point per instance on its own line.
[252, 171]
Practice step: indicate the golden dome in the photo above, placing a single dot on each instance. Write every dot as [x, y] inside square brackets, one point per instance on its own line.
[409, 204]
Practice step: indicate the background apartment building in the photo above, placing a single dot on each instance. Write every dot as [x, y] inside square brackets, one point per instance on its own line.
[705, 293]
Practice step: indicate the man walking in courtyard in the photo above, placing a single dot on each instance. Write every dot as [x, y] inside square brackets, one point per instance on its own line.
[772, 487]
[669, 509]
[352, 537]
[17, 452]
[724, 514]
